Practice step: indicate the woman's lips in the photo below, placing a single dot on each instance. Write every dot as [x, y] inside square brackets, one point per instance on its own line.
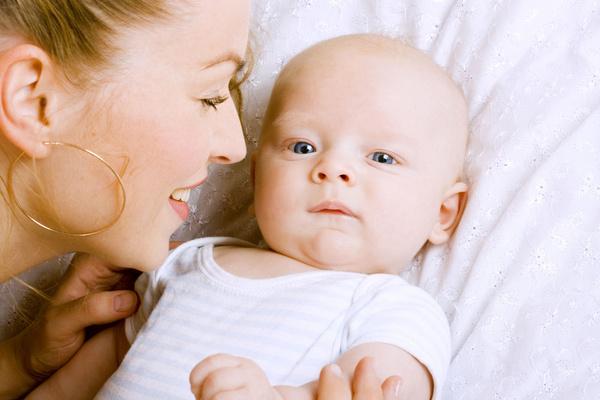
[181, 208]
[179, 203]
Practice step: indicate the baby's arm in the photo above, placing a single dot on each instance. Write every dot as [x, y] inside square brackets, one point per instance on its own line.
[83, 376]
[392, 360]
[389, 360]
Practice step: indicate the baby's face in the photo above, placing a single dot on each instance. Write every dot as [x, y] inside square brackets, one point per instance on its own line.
[357, 154]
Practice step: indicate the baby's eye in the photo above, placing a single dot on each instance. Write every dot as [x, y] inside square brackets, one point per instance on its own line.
[213, 101]
[302, 148]
[383, 158]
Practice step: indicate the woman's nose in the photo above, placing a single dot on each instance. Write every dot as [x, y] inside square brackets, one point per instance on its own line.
[228, 144]
[333, 171]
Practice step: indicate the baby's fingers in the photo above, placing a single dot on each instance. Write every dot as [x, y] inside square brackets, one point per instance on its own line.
[222, 381]
[205, 378]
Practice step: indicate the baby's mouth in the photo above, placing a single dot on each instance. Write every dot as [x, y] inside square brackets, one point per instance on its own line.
[333, 207]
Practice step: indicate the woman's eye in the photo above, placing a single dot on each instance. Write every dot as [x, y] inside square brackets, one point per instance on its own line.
[382, 158]
[213, 102]
[302, 148]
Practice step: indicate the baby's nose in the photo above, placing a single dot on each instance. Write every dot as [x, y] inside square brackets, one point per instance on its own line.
[327, 171]
[323, 176]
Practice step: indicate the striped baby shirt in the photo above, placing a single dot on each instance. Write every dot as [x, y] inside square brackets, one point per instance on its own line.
[291, 326]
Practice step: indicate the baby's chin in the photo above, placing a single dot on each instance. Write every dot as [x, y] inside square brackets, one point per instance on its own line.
[333, 250]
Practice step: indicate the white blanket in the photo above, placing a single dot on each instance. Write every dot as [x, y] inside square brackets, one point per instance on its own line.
[520, 281]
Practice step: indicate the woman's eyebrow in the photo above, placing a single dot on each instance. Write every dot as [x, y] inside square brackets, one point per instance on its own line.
[226, 57]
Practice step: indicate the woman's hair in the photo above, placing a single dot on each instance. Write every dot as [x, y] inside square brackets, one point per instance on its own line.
[76, 34]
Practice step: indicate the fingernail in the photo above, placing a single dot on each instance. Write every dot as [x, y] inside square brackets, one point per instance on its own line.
[335, 369]
[124, 302]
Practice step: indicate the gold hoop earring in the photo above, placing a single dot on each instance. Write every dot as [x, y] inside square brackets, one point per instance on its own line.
[14, 201]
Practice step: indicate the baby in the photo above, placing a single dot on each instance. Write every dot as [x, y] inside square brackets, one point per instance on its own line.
[359, 165]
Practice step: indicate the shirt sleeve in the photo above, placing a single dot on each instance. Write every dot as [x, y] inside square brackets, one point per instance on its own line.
[386, 309]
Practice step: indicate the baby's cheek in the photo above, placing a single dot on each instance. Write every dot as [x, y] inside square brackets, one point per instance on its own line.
[400, 226]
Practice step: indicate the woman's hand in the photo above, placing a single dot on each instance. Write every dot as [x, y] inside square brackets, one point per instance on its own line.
[365, 385]
[86, 297]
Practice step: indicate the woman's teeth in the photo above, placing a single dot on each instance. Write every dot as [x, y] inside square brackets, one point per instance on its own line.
[181, 195]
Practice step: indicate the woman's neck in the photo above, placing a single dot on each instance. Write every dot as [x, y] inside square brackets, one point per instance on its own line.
[22, 243]
[22, 247]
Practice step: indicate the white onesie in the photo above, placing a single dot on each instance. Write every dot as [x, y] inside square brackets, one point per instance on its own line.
[291, 326]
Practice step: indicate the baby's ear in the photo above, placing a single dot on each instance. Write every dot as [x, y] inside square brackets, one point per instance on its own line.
[450, 212]
[25, 78]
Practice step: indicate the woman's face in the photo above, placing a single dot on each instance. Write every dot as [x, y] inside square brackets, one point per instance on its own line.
[163, 116]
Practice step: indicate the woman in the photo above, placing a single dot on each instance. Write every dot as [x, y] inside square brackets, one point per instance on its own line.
[110, 113]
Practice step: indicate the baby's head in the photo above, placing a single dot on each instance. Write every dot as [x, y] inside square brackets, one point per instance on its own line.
[361, 155]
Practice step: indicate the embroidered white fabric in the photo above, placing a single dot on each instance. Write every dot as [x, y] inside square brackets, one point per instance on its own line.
[519, 280]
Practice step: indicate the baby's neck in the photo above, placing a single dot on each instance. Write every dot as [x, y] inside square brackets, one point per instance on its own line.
[257, 263]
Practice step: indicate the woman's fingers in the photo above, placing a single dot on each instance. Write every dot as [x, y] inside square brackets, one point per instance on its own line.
[333, 385]
[88, 274]
[392, 388]
[94, 309]
[82, 300]
[56, 336]
[365, 383]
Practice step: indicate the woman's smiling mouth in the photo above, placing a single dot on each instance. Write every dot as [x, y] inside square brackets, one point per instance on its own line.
[179, 198]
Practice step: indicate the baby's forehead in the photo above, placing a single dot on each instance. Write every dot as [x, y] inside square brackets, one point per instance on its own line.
[366, 61]
[360, 48]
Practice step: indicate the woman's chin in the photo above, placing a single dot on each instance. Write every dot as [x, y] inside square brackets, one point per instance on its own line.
[152, 259]
[142, 255]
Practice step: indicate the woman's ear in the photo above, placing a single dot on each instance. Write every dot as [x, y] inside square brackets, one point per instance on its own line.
[451, 211]
[25, 72]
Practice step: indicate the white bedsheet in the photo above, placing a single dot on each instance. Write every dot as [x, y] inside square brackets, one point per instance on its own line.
[520, 281]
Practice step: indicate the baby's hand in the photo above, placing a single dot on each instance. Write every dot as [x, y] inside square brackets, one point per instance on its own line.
[231, 378]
